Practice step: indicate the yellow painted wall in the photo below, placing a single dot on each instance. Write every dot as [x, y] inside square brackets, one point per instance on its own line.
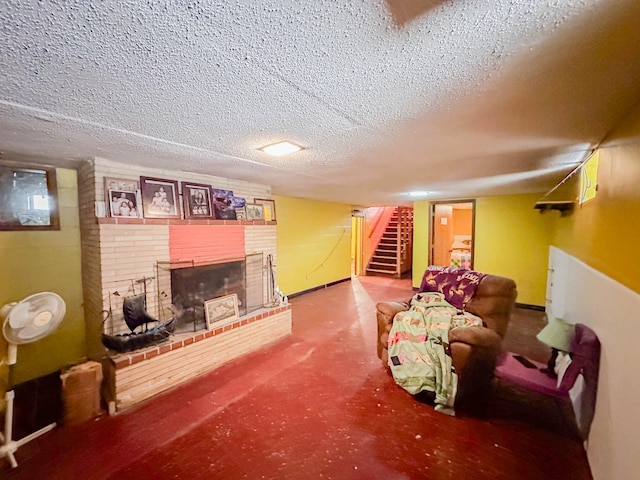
[605, 232]
[420, 241]
[47, 261]
[313, 243]
[511, 239]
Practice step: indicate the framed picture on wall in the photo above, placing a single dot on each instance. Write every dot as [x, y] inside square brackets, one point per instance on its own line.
[122, 184]
[197, 200]
[122, 197]
[223, 204]
[241, 213]
[268, 207]
[221, 310]
[159, 198]
[123, 203]
[254, 211]
[28, 197]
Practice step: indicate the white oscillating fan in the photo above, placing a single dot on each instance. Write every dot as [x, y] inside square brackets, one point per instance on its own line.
[26, 321]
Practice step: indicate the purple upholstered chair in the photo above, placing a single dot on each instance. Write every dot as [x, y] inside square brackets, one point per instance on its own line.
[585, 361]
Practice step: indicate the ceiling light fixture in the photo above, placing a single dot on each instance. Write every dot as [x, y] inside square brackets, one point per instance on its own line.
[419, 193]
[281, 148]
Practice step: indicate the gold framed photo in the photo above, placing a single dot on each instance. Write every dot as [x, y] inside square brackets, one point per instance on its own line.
[268, 208]
[221, 310]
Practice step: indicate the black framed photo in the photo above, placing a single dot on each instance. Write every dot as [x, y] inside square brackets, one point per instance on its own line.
[197, 200]
[28, 197]
[159, 198]
[123, 204]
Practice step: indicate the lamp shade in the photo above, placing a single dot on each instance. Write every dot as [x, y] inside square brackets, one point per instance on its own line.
[557, 334]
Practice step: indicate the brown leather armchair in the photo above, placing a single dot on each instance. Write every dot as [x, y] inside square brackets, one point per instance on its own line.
[474, 350]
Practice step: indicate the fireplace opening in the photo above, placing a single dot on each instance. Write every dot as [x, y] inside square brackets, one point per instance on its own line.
[192, 285]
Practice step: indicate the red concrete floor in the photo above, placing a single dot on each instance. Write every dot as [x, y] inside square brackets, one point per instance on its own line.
[316, 405]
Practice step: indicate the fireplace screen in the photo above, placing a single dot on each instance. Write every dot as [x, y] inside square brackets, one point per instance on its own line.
[192, 285]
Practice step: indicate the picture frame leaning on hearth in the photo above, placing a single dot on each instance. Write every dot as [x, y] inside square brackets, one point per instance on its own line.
[221, 310]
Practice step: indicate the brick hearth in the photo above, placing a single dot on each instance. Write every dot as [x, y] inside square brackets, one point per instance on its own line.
[135, 376]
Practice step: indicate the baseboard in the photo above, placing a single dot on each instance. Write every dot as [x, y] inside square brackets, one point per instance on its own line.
[330, 284]
[528, 306]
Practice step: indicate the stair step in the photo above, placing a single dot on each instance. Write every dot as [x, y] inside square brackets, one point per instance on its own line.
[384, 264]
[389, 272]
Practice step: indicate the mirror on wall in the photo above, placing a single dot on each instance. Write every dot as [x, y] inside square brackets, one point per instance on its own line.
[28, 198]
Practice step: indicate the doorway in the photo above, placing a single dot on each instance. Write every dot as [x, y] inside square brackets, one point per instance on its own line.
[452, 227]
[357, 222]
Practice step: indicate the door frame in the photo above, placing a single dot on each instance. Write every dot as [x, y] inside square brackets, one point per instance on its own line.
[432, 230]
[357, 227]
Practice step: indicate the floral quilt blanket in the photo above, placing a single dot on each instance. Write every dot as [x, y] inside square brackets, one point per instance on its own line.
[418, 343]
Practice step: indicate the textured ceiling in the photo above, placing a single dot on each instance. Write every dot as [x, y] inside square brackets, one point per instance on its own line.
[459, 98]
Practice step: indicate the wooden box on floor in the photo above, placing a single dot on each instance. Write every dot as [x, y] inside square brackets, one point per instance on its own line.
[81, 392]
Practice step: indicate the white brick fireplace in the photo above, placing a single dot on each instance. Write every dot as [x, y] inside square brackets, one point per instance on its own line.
[119, 251]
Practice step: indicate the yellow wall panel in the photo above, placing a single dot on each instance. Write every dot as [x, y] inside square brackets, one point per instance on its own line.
[512, 240]
[420, 241]
[47, 261]
[605, 232]
[313, 243]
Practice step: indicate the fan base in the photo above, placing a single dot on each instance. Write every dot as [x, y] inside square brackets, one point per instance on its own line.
[9, 446]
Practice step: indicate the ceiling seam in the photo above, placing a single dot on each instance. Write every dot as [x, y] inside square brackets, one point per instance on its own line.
[36, 112]
[299, 89]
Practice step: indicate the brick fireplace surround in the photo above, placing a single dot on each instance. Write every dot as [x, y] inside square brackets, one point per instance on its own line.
[118, 251]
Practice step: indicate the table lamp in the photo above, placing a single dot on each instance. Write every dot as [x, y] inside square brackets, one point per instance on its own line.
[558, 334]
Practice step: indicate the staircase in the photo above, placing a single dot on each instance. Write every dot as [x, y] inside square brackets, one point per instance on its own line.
[393, 255]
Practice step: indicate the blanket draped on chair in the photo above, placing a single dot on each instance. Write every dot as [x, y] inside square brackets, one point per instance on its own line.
[457, 284]
[419, 347]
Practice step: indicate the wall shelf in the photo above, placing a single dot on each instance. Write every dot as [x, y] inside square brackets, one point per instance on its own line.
[174, 221]
[564, 207]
